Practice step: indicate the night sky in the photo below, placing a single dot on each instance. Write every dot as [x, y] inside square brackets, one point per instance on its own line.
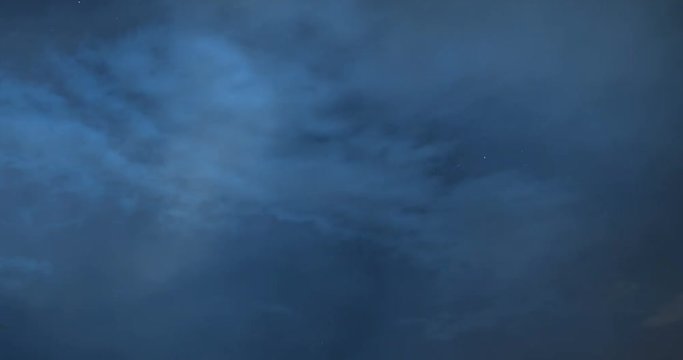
[341, 179]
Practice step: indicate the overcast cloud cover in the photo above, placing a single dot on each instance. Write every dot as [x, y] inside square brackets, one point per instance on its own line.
[341, 179]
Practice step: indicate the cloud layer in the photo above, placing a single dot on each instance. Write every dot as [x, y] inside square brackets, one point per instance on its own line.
[340, 180]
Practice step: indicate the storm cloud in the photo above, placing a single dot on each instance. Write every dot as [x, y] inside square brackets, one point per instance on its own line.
[340, 180]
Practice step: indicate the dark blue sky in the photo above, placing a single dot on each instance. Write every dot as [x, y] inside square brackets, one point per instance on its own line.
[342, 180]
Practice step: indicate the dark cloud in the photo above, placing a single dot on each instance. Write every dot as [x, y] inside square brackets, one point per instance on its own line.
[342, 180]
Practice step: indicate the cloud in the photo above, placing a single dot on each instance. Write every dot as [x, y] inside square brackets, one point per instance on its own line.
[328, 178]
[16, 273]
[24, 265]
[668, 314]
